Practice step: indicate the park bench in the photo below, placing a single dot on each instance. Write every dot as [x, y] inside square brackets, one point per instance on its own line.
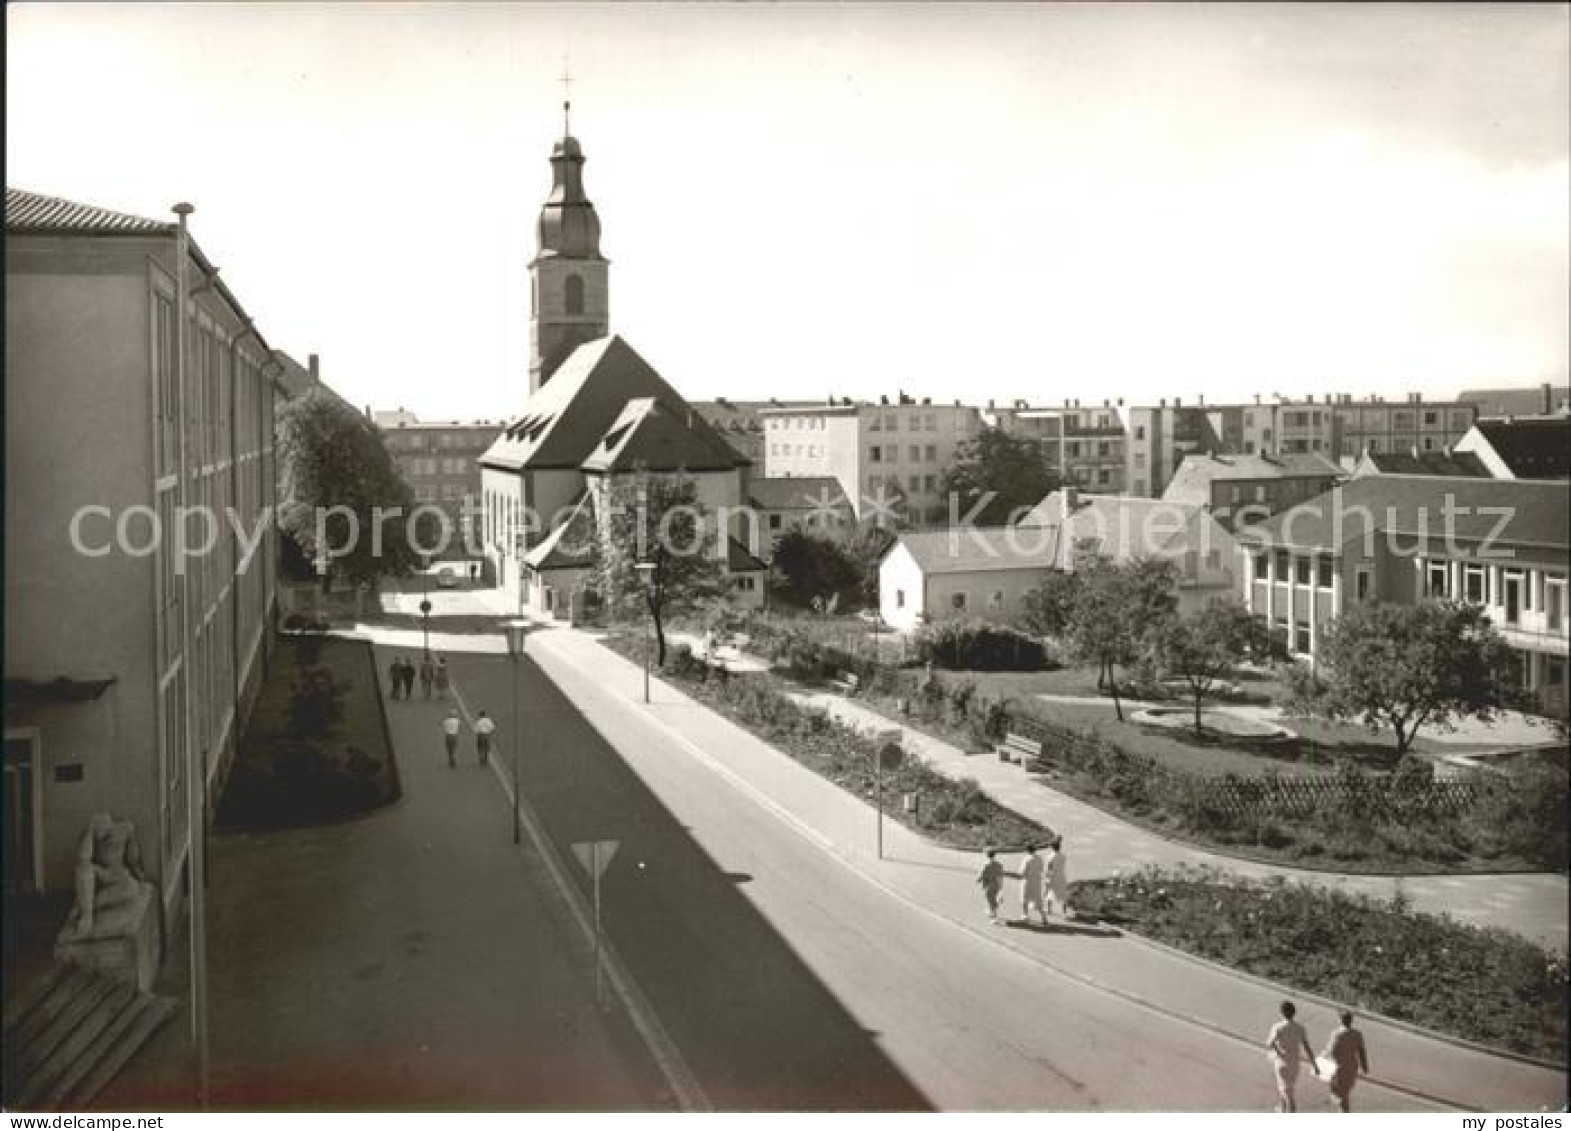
[1018, 748]
[848, 683]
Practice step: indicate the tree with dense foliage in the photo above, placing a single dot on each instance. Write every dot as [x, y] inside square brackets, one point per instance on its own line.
[1115, 604]
[817, 567]
[1013, 469]
[659, 519]
[866, 551]
[1203, 647]
[1406, 667]
[337, 485]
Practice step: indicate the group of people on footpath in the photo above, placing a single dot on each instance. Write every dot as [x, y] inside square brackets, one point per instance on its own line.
[484, 728]
[1345, 1052]
[433, 675]
[1043, 882]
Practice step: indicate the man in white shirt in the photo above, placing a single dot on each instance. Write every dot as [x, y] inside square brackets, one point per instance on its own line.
[450, 736]
[1286, 1040]
[484, 729]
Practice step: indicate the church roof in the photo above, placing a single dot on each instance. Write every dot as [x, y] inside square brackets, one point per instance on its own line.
[568, 224]
[569, 419]
[661, 436]
[571, 545]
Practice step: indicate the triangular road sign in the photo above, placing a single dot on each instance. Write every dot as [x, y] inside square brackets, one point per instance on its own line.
[595, 855]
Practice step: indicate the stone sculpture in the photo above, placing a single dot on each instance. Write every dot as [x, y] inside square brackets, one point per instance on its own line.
[113, 924]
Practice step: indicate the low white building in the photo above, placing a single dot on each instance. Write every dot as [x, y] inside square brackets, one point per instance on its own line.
[928, 576]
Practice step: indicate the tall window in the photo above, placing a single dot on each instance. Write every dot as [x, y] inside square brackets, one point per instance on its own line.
[575, 294]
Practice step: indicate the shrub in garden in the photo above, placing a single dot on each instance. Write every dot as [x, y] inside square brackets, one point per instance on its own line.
[316, 703]
[980, 646]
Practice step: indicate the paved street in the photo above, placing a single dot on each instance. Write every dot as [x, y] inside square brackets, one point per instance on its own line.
[740, 894]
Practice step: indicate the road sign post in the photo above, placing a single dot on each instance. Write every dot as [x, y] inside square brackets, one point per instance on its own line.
[595, 856]
[888, 755]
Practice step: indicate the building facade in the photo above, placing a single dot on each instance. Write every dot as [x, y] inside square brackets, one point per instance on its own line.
[440, 460]
[133, 651]
[884, 454]
[1500, 544]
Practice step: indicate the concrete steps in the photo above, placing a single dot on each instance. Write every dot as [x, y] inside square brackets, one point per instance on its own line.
[68, 1036]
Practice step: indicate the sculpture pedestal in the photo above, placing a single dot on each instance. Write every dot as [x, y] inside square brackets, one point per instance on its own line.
[124, 941]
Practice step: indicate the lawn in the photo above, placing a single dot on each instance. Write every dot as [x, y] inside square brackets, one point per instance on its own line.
[316, 747]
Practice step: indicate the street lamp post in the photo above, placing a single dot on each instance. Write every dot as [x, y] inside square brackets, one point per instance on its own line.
[516, 631]
[646, 572]
[425, 624]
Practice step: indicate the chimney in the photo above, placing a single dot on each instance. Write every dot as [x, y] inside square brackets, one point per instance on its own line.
[1548, 401]
[1178, 402]
[315, 366]
[989, 404]
[1257, 398]
[1162, 403]
[1201, 399]
[1120, 402]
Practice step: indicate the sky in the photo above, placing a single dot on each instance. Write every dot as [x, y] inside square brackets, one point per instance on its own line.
[975, 201]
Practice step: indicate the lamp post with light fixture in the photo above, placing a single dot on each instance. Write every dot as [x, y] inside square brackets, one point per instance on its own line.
[516, 630]
[646, 573]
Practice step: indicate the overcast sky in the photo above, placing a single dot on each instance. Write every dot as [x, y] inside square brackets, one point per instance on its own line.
[797, 200]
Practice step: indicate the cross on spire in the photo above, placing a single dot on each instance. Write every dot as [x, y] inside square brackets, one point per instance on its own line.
[566, 80]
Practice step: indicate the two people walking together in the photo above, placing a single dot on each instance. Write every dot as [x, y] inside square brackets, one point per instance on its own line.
[1043, 882]
[484, 727]
[1345, 1052]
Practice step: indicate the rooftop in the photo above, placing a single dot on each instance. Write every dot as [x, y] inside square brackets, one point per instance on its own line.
[808, 492]
[1532, 449]
[30, 212]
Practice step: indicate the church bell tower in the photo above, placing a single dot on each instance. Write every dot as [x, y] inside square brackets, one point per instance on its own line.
[569, 302]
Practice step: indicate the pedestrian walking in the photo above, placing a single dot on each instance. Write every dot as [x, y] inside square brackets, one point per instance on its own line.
[1058, 880]
[441, 677]
[409, 678]
[1032, 874]
[1284, 1044]
[484, 729]
[395, 676]
[992, 880]
[1349, 1057]
[427, 674]
[474, 573]
[450, 736]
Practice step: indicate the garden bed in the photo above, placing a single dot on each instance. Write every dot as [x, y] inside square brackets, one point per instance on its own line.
[316, 747]
[1483, 985]
[953, 813]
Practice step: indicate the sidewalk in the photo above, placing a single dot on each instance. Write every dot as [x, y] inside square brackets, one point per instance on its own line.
[938, 881]
[1100, 844]
[410, 959]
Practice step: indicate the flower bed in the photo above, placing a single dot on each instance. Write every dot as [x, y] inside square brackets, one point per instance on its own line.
[954, 813]
[1488, 986]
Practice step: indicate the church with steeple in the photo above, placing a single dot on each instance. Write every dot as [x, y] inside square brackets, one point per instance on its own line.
[596, 411]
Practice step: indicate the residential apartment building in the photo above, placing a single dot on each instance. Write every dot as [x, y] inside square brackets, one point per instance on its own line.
[131, 654]
[1085, 446]
[440, 460]
[881, 454]
[741, 424]
[1398, 426]
[1545, 400]
[1501, 544]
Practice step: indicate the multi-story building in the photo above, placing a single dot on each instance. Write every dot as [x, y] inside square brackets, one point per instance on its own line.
[1160, 436]
[741, 424]
[1502, 544]
[1083, 446]
[440, 460]
[1398, 426]
[1545, 400]
[879, 452]
[136, 629]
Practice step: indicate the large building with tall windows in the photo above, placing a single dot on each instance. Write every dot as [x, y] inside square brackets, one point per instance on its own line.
[440, 460]
[1501, 544]
[134, 642]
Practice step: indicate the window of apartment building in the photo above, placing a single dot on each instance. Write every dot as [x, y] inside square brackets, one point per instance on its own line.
[1459, 420]
[872, 483]
[931, 421]
[915, 453]
[1429, 443]
[453, 466]
[1436, 583]
[1402, 421]
[1511, 597]
[914, 483]
[774, 522]
[1103, 476]
[1262, 566]
[1301, 568]
[1283, 565]
[1072, 422]
[931, 453]
[875, 454]
[1363, 583]
[1295, 419]
[1431, 419]
[995, 599]
[1265, 435]
[1473, 584]
[1300, 636]
[957, 600]
[1074, 449]
[1554, 603]
[875, 424]
[1103, 447]
[1140, 431]
[891, 423]
[452, 491]
[425, 493]
[1326, 570]
[930, 482]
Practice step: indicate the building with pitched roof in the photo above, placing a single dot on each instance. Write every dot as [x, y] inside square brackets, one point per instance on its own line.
[1415, 462]
[1502, 544]
[1244, 488]
[131, 657]
[597, 412]
[814, 504]
[1545, 400]
[1534, 448]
